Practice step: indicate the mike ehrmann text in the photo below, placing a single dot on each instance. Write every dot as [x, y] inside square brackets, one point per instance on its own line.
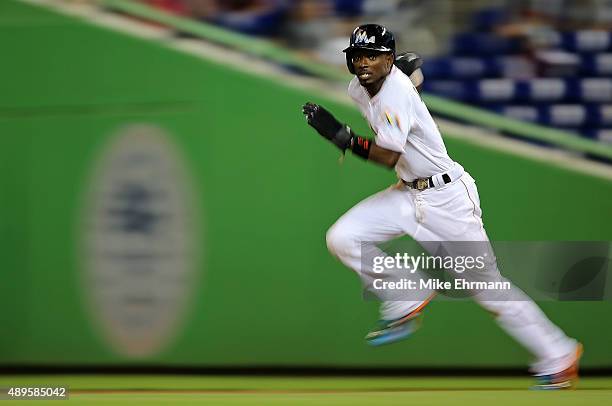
[437, 284]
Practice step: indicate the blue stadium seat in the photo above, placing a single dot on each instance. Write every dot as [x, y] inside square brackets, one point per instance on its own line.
[565, 115]
[597, 64]
[457, 68]
[454, 89]
[586, 41]
[496, 90]
[476, 43]
[557, 63]
[478, 67]
[522, 113]
[598, 90]
[602, 115]
[548, 90]
[488, 18]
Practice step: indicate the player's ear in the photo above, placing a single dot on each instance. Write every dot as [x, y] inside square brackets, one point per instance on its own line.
[389, 60]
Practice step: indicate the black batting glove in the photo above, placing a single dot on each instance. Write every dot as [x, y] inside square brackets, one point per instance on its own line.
[321, 120]
[327, 125]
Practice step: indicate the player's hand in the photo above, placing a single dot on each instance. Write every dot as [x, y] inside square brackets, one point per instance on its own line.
[321, 120]
[408, 62]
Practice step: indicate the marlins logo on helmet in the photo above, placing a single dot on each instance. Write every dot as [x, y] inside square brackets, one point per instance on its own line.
[362, 37]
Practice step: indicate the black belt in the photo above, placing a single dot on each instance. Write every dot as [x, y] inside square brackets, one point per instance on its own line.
[425, 183]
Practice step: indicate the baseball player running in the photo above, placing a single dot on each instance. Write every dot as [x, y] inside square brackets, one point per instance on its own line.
[434, 200]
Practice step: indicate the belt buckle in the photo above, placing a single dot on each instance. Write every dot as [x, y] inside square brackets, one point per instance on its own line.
[422, 184]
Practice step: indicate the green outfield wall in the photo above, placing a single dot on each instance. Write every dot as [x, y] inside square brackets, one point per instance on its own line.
[260, 190]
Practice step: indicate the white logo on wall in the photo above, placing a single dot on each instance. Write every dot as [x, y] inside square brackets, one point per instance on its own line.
[139, 246]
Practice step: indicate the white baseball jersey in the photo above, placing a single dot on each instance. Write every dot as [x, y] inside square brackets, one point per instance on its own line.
[403, 124]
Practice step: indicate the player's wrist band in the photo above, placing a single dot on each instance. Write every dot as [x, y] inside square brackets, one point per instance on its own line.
[343, 138]
[361, 146]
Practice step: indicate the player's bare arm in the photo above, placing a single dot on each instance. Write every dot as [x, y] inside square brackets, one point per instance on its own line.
[383, 156]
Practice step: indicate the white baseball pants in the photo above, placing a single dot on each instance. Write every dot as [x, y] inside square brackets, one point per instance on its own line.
[448, 213]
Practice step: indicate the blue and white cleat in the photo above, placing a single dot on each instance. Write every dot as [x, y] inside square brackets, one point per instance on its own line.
[391, 331]
[566, 379]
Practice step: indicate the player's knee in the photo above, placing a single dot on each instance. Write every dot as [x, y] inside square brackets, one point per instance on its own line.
[339, 242]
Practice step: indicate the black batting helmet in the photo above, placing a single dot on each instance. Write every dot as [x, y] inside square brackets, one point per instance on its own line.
[370, 36]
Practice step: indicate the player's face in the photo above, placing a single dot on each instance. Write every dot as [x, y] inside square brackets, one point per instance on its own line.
[371, 67]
